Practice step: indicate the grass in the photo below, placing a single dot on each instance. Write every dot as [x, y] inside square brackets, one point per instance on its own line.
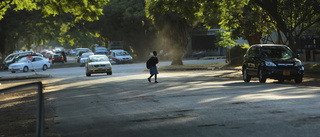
[312, 68]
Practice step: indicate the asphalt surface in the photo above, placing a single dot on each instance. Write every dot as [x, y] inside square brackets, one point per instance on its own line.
[197, 103]
[184, 103]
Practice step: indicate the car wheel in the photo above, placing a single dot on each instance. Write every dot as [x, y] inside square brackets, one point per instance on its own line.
[262, 77]
[52, 62]
[25, 69]
[298, 80]
[88, 74]
[109, 73]
[13, 71]
[245, 75]
[45, 67]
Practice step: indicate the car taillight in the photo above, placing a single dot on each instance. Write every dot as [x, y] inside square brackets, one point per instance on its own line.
[62, 58]
[53, 59]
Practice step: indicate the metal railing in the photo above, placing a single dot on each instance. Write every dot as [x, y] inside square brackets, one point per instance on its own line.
[40, 103]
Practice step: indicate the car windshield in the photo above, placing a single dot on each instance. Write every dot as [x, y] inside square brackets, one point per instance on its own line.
[124, 53]
[98, 59]
[276, 52]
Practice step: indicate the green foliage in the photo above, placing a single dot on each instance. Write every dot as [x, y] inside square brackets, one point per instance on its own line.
[236, 54]
[224, 39]
[88, 10]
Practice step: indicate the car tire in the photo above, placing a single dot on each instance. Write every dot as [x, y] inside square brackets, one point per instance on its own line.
[298, 80]
[261, 75]
[245, 75]
[25, 69]
[52, 62]
[109, 73]
[45, 67]
[88, 74]
[13, 71]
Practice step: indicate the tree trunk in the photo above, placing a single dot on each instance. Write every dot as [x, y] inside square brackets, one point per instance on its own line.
[253, 38]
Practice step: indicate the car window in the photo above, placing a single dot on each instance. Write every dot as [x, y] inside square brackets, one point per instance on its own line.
[85, 55]
[276, 52]
[10, 57]
[124, 53]
[38, 59]
[250, 51]
[21, 60]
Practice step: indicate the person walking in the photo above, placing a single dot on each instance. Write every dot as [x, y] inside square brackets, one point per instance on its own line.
[153, 67]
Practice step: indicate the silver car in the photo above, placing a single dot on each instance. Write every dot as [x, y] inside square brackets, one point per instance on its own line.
[98, 64]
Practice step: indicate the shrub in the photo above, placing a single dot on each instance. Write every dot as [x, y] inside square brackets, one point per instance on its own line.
[236, 54]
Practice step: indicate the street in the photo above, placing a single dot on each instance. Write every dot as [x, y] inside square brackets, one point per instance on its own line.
[183, 103]
[72, 68]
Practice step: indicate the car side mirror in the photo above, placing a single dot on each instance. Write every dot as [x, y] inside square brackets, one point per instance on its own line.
[297, 56]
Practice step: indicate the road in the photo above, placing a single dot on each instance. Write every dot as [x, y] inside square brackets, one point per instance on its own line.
[183, 104]
[72, 69]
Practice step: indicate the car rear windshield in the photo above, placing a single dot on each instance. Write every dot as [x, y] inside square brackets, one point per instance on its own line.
[122, 53]
[276, 52]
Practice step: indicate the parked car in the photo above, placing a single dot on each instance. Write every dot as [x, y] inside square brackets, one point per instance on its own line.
[84, 58]
[82, 50]
[12, 58]
[25, 65]
[47, 54]
[80, 54]
[57, 58]
[120, 56]
[98, 64]
[272, 61]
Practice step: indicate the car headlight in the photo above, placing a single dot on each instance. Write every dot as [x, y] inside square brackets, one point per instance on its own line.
[298, 64]
[270, 64]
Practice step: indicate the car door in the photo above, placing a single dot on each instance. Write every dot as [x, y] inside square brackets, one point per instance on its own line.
[248, 60]
[37, 63]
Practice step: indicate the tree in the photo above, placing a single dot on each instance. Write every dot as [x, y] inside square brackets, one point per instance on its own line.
[88, 10]
[292, 17]
[125, 21]
[174, 19]
[23, 19]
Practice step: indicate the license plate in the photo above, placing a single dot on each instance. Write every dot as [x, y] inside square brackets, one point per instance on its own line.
[99, 69]
[286, 73]
[125, 60]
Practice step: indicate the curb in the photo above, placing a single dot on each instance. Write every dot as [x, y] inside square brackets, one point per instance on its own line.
[24, 77]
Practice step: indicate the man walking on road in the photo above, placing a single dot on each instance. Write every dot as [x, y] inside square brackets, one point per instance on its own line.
[153, 67]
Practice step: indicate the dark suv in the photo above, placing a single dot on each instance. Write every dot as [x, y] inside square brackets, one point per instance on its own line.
[271, 61]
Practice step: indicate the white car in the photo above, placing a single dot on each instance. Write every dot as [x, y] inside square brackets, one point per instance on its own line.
[25, 65]
[120, 56]
[98, 64]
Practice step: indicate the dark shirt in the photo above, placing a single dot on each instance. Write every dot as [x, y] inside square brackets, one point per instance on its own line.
[154, 61]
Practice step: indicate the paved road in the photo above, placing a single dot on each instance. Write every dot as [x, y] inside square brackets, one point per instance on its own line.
[183, 104]
[72, 69]
[191, 103]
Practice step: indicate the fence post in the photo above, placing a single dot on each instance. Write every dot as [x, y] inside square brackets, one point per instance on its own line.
[40, 110]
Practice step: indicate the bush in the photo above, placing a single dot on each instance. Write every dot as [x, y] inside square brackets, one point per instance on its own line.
[236, 54]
